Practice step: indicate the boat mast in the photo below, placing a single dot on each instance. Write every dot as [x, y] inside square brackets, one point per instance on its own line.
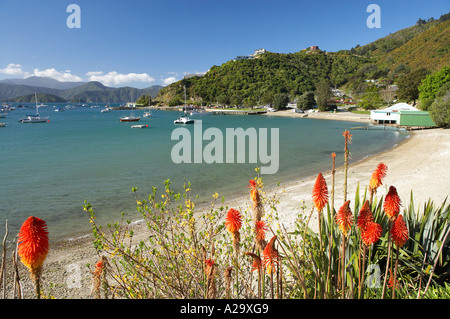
[185, 99]
[37, 107]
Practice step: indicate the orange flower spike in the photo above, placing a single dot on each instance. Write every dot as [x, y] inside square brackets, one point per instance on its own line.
[33, 244]
[371, 233]
[209, 263]
[257, 263]
[391, 279]
[344, 218]
[260, 230]
[233, 221]
[392, 203]
[377, 176]
[254, 191]
[347, 136]
[365, 216]
[270, 256]
[320, 193]
[399, 232]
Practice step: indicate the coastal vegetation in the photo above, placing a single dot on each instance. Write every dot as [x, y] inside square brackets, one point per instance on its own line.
[366, 247]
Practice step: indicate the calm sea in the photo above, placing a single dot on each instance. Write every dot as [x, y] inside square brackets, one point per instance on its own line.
[49, 169]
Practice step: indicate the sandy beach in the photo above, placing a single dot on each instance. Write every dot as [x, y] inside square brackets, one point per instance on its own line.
[420, 163]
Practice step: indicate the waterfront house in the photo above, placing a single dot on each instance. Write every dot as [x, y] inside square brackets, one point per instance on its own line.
[390, 115]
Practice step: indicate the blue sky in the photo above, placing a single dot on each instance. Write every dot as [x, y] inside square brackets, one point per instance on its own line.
[142, 43]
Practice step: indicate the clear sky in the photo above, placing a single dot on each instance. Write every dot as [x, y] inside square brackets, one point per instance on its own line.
[142, 43]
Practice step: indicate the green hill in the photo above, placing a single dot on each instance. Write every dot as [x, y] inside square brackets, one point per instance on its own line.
[41, 97]
[429, 49]
[246, 81]
[424, 45]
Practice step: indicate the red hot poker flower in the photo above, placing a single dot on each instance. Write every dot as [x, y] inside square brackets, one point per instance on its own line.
[392, 203]
[233, 221]
[320, 193]
[377, 177]
[33, 244]
[344, 218]
[371, 233]
[270, 256]
[260, 230]
[365, 216]
[347, 136]
[399, 232]
[209, 264]
[254, 191]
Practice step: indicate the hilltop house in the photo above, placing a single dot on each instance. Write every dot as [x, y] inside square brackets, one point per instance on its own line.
[247, 57]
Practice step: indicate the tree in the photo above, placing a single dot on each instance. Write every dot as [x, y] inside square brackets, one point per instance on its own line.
[370, 99]
[323, 94]
[145, 100]
[223, 99]
[408, 85]
[440, 111]
[388, 95]
[280, 100]
[267, 98]
[306, 101]
[431, 85]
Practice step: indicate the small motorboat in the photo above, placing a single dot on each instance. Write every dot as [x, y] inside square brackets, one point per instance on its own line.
[106, 109]
[139, 126]
[184, 120]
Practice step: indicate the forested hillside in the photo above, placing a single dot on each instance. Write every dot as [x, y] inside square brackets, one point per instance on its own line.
[422, 48]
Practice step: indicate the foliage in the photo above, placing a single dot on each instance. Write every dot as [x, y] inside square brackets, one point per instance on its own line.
[323, 94]
[431, 85]
[280, 101]
[145, 100]
[188, 254]
[408, 85]
[370, 99]
[440, 111]
[262, 78]
[306, 101]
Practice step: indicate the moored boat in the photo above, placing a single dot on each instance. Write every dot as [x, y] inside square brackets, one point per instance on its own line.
[35, 118]
[130, 119]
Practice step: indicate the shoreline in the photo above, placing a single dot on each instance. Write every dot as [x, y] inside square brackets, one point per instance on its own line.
[419, 162]
[338, 116]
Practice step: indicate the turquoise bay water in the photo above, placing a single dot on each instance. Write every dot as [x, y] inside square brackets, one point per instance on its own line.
[48, 169]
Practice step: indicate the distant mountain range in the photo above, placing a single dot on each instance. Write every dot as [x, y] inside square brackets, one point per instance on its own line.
[19, 90]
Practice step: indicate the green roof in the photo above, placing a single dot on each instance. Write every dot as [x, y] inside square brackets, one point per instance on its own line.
[415, 118]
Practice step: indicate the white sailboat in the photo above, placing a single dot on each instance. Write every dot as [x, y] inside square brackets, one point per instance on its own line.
[148, 113]
[35, 118]
[184, 119]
